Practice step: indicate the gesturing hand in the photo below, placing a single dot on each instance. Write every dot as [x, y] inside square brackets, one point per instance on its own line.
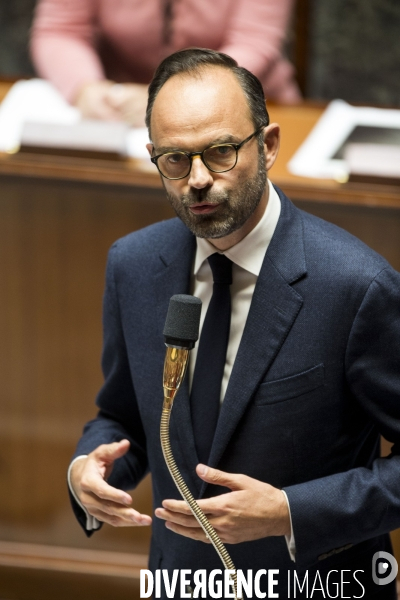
[106, 503]
[252, 510]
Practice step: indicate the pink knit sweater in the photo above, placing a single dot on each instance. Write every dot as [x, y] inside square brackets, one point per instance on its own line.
[79, 41]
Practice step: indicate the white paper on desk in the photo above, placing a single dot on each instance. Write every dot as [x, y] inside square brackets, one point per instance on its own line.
[136, 143]
[314, 157]
[38, 101]
[35, 101]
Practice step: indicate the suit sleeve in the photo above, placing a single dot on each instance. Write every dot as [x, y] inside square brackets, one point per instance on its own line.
[118, 416]
[330, 513]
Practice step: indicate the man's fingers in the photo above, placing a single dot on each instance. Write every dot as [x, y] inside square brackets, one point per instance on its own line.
[176, 517]
[108, 453]
[98, 466]
[92, 503]
[190, 532]
[114, 520]
[108, 493]
[189, 527]
[101, 500]
[178, 506]
[216, 477]
[93, 484]
[210, 506]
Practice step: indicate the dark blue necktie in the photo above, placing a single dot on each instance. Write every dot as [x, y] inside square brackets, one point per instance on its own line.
[211, 357]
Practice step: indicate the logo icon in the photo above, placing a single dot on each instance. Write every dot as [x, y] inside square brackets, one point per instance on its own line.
[384, 568]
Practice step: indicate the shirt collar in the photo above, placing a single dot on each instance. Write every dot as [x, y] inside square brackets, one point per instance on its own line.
[250, 251]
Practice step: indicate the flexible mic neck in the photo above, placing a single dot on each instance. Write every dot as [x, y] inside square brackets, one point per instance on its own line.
[181, 331]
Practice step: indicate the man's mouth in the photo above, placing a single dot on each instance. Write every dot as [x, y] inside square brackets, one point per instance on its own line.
[203, 208]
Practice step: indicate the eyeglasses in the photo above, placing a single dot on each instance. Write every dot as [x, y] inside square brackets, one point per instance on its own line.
[218, 159]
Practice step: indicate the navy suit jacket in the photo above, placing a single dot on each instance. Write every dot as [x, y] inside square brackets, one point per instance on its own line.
[315, 382]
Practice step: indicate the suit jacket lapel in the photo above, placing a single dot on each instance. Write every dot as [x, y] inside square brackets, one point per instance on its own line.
[174, 278]
[273, 310]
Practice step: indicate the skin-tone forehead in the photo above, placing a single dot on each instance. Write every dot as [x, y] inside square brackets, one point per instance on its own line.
[200, 108]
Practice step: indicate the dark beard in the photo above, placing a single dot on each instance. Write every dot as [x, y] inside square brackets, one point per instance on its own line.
[235, 207]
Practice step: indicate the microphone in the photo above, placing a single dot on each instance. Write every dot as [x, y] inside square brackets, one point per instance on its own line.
[181, 328]
[181, 332]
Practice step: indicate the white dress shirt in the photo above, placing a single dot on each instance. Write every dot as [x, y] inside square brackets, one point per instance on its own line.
[247, 257]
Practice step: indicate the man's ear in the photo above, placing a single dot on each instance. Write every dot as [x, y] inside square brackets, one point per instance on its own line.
[271, 144]
[150, 148]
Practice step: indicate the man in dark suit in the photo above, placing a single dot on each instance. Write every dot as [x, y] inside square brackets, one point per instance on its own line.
[311, 378]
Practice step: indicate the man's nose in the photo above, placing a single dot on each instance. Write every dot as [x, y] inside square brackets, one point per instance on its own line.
[200, 177]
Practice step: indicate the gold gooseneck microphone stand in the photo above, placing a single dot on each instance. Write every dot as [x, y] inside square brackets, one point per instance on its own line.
[179, 341]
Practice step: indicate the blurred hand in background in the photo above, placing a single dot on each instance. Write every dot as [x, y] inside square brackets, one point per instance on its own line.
[114, 102]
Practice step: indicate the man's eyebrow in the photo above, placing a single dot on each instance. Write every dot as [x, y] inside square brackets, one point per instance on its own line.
[163, 149]
[225, 139]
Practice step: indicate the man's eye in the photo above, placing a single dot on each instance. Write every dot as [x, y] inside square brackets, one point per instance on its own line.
[219, 152]
[174, 159]
[222, 150]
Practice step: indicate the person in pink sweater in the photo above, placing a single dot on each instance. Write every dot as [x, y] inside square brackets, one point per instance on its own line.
[101, 54]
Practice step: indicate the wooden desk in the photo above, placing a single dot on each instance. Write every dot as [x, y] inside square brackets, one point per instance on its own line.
[58, 217]
[371, 212]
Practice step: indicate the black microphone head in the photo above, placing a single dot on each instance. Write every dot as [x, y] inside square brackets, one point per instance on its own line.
[183, 319]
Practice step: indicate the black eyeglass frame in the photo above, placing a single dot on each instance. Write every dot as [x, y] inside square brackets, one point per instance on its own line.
[190, 155]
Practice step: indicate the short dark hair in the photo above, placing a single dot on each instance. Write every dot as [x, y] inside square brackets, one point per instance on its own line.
[192, 60]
